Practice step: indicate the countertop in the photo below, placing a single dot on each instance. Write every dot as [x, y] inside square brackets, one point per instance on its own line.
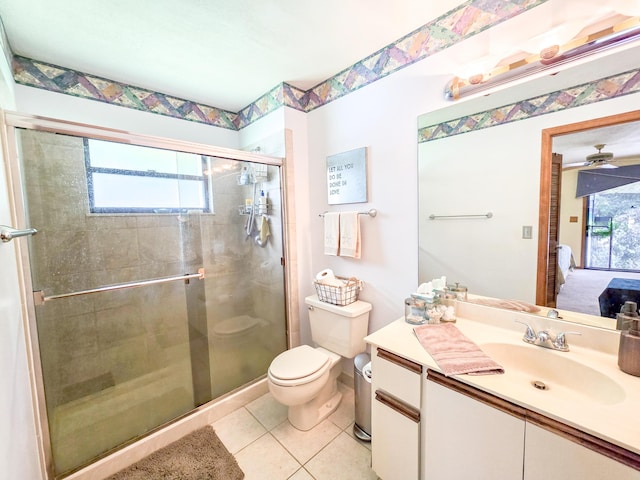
[607, 413]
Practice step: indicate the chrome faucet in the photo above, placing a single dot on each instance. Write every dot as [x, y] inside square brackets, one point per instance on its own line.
[544, 338]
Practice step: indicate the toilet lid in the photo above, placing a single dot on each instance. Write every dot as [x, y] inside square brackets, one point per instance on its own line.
[299, 362]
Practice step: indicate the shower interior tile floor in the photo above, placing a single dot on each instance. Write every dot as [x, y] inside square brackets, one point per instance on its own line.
[267, 447]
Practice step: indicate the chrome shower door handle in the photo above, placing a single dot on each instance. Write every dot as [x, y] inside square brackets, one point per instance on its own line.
[8, 233]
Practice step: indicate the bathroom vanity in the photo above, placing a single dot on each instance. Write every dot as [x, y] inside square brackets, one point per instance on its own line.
[582, 425]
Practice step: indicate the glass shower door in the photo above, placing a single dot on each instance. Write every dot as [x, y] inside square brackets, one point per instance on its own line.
[143, 314]
[116, 362]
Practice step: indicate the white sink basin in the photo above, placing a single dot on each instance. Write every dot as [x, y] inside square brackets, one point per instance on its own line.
[556, 371]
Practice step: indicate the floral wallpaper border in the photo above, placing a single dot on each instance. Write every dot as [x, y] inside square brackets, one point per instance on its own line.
[468, 19]
[592, 92]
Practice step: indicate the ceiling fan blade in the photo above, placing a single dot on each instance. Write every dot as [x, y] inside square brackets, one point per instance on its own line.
[575, 164]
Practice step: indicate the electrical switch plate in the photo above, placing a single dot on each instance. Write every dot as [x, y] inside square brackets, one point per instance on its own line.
[527, 232]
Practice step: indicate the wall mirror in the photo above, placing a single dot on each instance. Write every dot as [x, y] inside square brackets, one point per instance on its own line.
[506, 170]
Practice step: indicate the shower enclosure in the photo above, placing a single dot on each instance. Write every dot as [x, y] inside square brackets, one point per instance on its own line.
[151, 293]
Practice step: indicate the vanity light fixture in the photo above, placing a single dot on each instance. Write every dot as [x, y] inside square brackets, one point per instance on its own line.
[549, 57]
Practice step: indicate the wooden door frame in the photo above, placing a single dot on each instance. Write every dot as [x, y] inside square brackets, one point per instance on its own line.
[545, 186]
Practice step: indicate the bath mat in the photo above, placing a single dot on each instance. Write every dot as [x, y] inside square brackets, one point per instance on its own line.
[454, 353]
[197, 456]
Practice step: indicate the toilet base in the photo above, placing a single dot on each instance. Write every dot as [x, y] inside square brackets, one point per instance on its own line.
[306, 416]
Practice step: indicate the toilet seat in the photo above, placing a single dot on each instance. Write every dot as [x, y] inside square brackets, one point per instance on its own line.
[298, 366]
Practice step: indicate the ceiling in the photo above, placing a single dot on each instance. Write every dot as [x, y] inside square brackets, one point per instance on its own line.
[224, 54]
[622, 140]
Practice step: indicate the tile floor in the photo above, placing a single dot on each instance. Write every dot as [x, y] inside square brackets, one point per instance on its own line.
[267, 447]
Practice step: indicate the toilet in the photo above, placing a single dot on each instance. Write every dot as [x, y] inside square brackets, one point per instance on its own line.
[306, 378]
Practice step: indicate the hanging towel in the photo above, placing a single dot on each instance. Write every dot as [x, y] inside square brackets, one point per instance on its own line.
[350, 234]
[264, 229]
[453, 352]
[331, 233]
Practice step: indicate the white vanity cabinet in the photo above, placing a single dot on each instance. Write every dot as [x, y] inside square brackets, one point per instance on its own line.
[562, 456]
[472, 434]
[469, 434]
[395, 416]
[428, 426]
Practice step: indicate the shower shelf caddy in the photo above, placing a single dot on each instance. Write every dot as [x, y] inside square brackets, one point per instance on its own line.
[254, 173]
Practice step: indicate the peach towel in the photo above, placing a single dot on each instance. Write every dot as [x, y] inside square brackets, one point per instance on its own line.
[350, 234]
[454, 353]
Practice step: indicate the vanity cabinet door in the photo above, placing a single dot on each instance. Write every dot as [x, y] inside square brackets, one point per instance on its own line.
[395, 439]
[549, 456]
[395, 416]
[469, 434]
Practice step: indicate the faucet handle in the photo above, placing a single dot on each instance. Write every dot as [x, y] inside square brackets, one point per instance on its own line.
[560, 342]
[543, 336]
[529, 334]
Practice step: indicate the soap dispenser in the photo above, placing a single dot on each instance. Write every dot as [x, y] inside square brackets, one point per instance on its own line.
[629, 350]
[262, 203]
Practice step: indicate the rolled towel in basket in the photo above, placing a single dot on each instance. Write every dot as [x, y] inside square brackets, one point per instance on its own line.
[327, 277]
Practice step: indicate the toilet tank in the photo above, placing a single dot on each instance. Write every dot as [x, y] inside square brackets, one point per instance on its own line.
[337, 328]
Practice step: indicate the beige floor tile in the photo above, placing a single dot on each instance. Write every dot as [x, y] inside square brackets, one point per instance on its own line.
[301, 474]
[238, 429]
[268, 411]
[343, 459]
[345, 413]
[304, 445]
[266, 459]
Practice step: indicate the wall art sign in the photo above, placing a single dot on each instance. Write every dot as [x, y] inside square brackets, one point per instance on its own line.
[347, 177]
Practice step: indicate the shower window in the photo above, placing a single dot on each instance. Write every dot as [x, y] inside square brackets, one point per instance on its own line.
[124, 178]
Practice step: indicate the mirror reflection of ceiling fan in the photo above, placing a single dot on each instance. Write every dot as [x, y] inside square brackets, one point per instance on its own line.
[599, 159]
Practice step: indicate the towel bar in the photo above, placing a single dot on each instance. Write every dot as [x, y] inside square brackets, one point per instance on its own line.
[484, 215]
[372, 213]
[39, 296]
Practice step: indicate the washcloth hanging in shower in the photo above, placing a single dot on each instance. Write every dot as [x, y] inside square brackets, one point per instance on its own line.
[350, 234]
[264, 229]
[331, 233]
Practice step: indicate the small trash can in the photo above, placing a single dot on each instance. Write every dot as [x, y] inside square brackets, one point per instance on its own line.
[362, 393]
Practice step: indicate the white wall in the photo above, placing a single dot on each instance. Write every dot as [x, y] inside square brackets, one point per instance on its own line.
[571, 233]
[19, 456]
[383, 118]
[18, 448]
[40, 102]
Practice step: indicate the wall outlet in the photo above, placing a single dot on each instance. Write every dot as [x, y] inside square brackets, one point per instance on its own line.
[527, 232]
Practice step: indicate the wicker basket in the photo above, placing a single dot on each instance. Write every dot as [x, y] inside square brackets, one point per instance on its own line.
[344, 295]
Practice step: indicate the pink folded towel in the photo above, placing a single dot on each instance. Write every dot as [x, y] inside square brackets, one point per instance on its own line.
[453, 352]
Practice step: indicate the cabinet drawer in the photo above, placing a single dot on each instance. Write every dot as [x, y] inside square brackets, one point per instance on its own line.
[395, 440]
[396, 375]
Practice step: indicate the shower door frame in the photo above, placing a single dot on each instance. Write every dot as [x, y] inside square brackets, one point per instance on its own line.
[9, 122]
